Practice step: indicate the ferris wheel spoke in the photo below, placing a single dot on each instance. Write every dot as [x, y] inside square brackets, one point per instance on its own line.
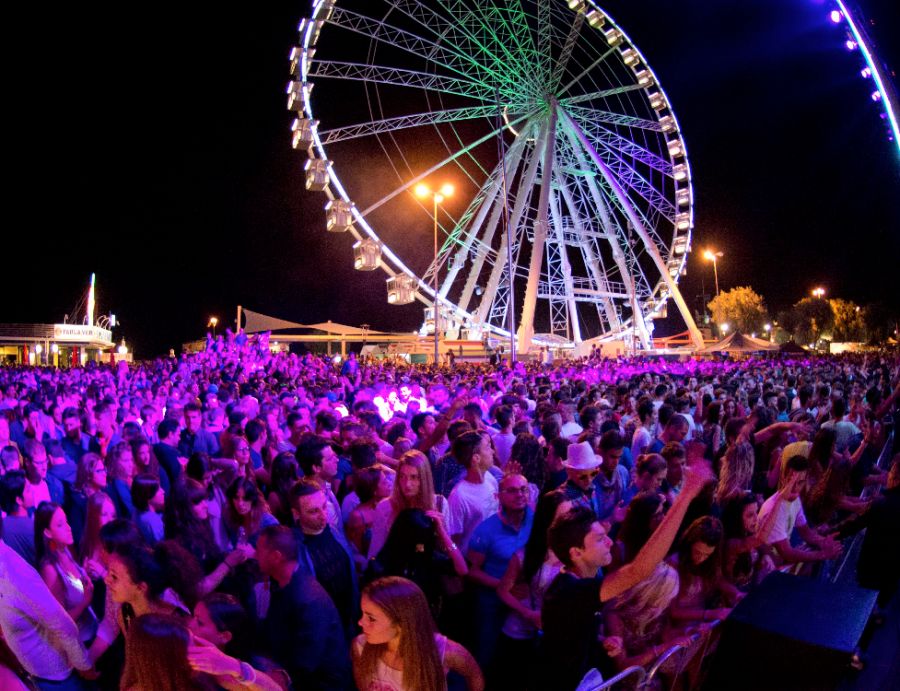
[563, 60]
[403, 122]
[461, 38]
[478, 224]
[615, 141]
[487, 27]
[609, 118]
[607, 289]
[522, 196]
[640, 229]
[449, 159]
[442, 55]
[599, 95]
[626, 288]
[586, 71]
[392, 76]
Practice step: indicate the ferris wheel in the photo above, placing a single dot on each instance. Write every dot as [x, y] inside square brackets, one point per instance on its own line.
[572, 210]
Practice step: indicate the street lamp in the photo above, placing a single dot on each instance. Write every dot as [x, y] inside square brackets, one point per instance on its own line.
[768, 330]
[818, 292]
[423, 192]
[723, 328]
[713, 257]
[213, 322]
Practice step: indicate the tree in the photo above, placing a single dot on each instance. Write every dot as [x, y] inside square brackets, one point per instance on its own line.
[848, 321]
[882, 322]
[741, 308]
[810, 318]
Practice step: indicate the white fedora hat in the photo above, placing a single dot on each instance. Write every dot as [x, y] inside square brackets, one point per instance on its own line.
[582, 457]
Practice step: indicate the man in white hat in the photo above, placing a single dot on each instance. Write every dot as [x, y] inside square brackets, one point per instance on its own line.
[582, 468]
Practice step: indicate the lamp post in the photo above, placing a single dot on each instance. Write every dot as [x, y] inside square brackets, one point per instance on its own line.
[423, 192]
[213, 322]
[818, 292]
[713, 257]
[768, 330]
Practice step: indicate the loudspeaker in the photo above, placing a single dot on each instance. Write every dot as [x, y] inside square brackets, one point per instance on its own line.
[790, 633]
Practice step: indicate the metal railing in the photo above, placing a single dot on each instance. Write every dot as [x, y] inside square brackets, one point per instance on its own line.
[672, 662]
[851, 551]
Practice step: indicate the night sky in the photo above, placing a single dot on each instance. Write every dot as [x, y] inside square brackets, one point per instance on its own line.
[151, 145]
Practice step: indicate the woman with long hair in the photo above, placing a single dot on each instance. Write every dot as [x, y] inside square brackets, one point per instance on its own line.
[372, 485]
[100, 511]
[820, 456]
[399, 647]
[413, 489]
[285, 472]
[120, 468]
[736, 473]
[156, 656]
[832, 494]
[145, 460]
[90, 478]
[703, 592]
[187, 523]
[246, 512]
[69, 583]
[522, 588]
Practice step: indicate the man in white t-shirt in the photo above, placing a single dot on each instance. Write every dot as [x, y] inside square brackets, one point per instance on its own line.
[790, 515]
[474, 498]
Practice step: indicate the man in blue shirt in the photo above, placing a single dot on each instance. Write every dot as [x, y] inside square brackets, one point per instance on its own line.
[193, 437]
[495, 540]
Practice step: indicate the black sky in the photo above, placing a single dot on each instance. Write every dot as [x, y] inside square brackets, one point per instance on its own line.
[151, 144]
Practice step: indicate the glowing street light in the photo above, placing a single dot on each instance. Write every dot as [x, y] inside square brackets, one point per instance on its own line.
[213, 322]
[723, 328]
[423, 192]
[711, 256]
[818, 292]
[768, 329]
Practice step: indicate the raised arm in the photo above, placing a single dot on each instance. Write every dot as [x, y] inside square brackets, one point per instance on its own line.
[654, 551]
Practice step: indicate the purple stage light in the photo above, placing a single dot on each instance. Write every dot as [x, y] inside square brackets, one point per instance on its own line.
[836, 16]
[876, 95]
[866, 72]
[851, 44]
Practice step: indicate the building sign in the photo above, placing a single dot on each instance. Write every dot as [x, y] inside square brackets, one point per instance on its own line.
[81, 333]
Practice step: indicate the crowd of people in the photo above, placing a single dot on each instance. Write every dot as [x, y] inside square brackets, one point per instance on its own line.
[243, 519]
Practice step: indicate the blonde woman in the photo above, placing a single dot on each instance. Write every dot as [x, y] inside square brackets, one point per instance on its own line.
[413, 489]
[736, 474]
[399, 648]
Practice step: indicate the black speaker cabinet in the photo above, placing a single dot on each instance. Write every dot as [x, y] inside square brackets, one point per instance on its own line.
[790, 633]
